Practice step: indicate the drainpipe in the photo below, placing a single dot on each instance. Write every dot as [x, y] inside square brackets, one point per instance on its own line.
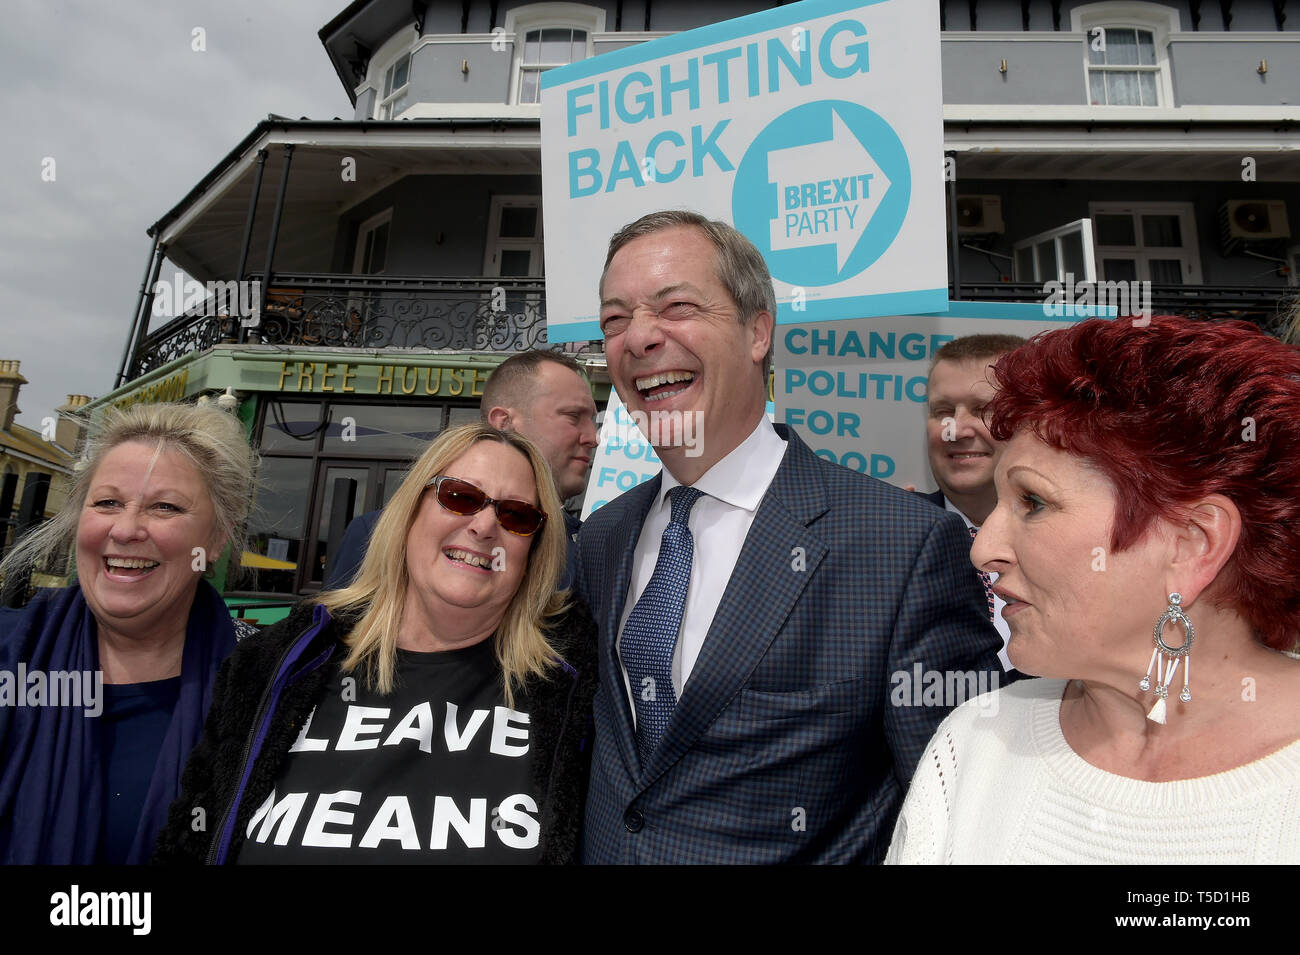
[135, 319]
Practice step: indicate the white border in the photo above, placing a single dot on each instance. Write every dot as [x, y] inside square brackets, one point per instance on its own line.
[497, 243]
[1163, 23]
[369, 225]
[390, 51]
[1186, 212]
[533, 16]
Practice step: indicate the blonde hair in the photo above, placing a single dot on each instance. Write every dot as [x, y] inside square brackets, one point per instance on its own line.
[213, 442]
[379, 590]
[1291, 326]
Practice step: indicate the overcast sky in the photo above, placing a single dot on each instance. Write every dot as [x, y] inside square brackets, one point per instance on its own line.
[133, 117]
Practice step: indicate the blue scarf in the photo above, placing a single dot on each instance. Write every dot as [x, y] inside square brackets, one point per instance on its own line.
[51, 769]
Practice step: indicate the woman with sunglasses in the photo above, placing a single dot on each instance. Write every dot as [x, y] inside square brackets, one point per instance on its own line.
[433, 711]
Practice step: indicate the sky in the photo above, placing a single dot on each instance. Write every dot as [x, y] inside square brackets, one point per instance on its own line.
[133, 117]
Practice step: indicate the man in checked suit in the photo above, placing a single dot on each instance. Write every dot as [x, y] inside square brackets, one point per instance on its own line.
[760, 609]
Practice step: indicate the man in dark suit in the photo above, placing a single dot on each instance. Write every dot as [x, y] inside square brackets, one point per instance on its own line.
[961, 450]
[762, 612]
[544, 396]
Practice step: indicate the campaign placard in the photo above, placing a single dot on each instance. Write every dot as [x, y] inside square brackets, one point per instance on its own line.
[623, 457]
[815, 129]
[856, 390]
[622, 460]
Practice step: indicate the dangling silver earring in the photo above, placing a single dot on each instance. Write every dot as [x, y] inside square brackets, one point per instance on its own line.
[1165, 668]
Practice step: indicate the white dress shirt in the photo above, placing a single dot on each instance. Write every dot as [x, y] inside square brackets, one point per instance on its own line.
[998, 602]
[719, 523]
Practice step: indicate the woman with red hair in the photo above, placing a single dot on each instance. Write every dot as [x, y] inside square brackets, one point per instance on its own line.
[1148, 517]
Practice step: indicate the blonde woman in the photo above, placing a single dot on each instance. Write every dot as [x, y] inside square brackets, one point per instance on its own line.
[134, 642]
[433, 711]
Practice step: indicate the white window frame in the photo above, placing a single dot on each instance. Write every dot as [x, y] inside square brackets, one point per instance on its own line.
[389, 53]
[1160, 21]
[497, 244]
[1081, 226]
[539, 16]
[370, 225]
[1189, 252]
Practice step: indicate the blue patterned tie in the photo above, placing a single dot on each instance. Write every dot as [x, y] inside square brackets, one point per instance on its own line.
[650, 633]
[985, 580]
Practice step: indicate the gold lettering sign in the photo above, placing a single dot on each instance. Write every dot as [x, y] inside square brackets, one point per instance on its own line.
[367, 379]
[171, 388]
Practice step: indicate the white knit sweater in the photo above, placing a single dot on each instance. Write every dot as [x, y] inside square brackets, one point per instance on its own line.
[999, 784]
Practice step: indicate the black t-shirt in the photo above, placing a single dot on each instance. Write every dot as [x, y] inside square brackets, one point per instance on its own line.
[132, 727]
[437, 771]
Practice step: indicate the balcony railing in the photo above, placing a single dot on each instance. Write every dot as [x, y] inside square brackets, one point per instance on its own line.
[1266, 306]
[370, 311]
[501, 314]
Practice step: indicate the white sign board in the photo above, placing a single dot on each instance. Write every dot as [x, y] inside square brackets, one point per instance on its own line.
[623, 457]
[816, 129]
[856, 390]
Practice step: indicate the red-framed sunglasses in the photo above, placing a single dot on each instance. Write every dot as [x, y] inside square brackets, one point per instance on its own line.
[461, 497]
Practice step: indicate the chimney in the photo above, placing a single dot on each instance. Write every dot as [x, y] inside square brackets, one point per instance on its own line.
[71, 425]
[10, 382]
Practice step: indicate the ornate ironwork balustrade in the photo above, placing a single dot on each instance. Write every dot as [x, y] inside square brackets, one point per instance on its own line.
[1267, 307]
[372, 312]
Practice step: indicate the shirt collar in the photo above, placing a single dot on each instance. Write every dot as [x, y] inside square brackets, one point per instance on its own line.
[743, 476]
[950, 506]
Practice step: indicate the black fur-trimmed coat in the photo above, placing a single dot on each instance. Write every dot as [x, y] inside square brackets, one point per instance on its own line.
[560, 724]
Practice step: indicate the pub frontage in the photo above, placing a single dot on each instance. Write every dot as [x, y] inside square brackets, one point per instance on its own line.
[336, 431]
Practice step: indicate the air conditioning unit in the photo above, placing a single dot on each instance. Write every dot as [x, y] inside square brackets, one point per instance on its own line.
[1243, 221]
[979, 215]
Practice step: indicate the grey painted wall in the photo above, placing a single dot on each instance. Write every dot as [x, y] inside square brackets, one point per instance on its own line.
[1006, 15]
[1039, 73]
[440, 18]
[1042, 72]
[1033, 206]
[989, 14]
[436, 75]
[366, 104]
[1046, 72]
[424, 206]
[1224, 74]
[458, 207]
[686, 16]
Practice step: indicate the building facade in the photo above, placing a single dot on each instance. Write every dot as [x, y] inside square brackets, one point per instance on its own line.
[360, 277]
[36, 467]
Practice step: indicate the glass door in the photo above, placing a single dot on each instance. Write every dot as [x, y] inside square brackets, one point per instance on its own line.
[1148, 242]
[1063, 254]
[331, 478]
[514, 251]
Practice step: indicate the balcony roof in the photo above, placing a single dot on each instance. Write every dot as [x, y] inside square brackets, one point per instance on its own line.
[203, 232]
[1188, 144]
[359, 30]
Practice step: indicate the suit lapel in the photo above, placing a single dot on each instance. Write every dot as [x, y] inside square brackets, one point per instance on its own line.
[622, 542]
[764, 587]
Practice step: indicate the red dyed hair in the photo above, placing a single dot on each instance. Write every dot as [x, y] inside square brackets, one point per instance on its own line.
[1161, 410]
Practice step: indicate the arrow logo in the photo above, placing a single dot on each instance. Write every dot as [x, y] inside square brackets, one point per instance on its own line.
[825, 196]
